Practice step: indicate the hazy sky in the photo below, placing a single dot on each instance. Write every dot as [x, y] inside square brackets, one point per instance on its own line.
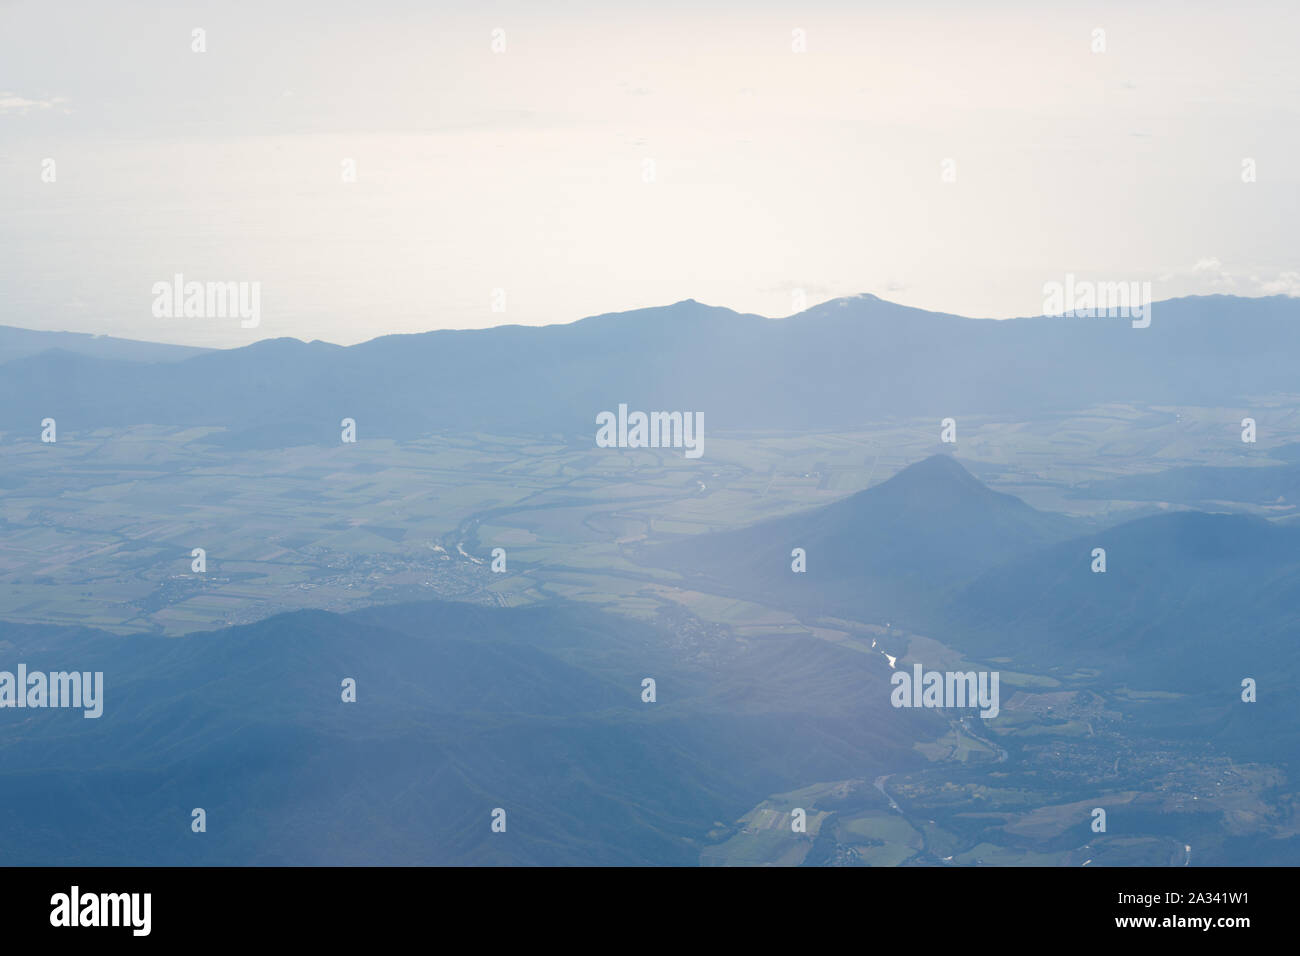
[524, 170]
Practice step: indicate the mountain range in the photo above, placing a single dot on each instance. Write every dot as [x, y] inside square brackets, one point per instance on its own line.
[838, 364]
[459, 710]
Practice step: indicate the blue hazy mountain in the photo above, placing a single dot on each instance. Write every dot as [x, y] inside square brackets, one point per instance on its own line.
[888, 552]
[1190, 603]
[20, 343]
[459, 710]
[1187, 600]
[837, 364]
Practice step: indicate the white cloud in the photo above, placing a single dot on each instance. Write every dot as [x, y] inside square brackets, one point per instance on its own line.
[1288, 283]
[1209, 274]
[13, 103]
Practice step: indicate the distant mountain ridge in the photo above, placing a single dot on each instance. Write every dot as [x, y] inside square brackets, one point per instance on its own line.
[839, 364]
[16, 343]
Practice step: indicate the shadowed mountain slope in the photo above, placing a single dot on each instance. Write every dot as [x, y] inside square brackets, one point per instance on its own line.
[459, 710]
[892, 551]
